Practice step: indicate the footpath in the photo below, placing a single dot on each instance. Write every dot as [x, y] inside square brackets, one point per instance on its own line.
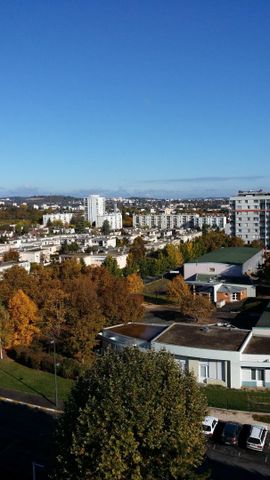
[237, 416]
[43, 403]
[28, 399]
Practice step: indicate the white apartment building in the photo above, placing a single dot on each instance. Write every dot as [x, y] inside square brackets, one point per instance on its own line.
[250, 216]
[94, 207]
[65, 218]
[114, 219]
[166, 222]
[95, 212]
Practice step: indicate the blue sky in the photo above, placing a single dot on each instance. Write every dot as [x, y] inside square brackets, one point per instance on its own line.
[150, 97]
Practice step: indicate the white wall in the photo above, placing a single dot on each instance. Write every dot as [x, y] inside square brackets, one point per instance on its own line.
[211, 268]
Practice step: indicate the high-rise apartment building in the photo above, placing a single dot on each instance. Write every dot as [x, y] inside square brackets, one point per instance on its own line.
[250, 216]
[94, 208]
[95, 212]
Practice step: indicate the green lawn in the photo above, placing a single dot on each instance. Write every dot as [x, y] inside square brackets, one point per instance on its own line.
[14, 376]
[158, 299]
[159, 286]
[249, 400]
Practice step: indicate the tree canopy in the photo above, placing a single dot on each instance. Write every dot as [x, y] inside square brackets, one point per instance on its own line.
[133, 416]
[68, 302]
[195, 306]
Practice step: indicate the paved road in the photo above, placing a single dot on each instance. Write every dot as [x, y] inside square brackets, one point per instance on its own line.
[228, 462]
[223, 467]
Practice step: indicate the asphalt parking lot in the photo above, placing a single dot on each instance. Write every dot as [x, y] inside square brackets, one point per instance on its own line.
[214, 445]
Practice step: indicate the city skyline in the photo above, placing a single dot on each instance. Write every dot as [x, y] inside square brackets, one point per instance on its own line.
[134, 100]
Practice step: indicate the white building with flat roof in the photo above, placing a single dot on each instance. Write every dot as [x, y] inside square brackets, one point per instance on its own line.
[65, 218]
[217, 355]
[165, 221]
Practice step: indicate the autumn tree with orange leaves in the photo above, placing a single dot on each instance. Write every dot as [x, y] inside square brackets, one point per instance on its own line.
[23, 318]
[134, 283]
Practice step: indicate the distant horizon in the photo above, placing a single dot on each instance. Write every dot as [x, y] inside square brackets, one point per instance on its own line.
[22, 193]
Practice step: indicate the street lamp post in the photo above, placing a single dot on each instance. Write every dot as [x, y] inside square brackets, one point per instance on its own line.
[55, 373]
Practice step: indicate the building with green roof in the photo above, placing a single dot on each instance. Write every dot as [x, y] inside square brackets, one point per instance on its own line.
[227, 261]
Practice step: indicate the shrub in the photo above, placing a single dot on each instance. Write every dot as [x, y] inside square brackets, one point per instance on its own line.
[32, 358]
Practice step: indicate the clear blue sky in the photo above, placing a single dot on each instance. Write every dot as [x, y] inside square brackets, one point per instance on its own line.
[151, 96]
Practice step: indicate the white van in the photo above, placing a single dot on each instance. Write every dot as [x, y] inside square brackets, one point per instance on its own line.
[257, 437]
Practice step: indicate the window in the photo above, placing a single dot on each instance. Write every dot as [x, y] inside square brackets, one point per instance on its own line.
[211, 269]
[257, 374]
[204, 371]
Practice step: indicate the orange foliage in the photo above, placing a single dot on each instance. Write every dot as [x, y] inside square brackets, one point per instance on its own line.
[23, 316]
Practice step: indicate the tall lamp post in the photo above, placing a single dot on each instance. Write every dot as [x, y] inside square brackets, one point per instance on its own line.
[55, 372]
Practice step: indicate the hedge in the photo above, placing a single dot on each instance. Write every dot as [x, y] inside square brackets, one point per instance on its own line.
[39, 360]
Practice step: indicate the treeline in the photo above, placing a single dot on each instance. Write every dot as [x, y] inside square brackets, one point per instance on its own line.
[66, 303]
[173, 256]
[23, 212]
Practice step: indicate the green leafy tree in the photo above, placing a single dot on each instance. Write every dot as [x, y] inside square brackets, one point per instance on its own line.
[173, 256]
[133, 416]
[79, 223]
[105, 229]
[111, 264]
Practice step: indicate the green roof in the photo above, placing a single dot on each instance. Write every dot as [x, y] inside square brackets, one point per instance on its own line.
[230, 255]
[264, 320]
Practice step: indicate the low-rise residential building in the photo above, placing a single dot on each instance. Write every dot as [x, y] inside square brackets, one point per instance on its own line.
[32, 256]
[218, 355]
[96, 260]
[65, 218]
[224, 275]
[8, 265]
[227, 261]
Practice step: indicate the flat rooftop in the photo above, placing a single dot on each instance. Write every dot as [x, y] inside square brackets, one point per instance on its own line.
[229, 255]
[258, 345]
[207, 277]
[138, 330]
[199, 336]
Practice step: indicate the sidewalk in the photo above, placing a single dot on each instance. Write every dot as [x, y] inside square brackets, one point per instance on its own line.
[237, 416]
[28, 399]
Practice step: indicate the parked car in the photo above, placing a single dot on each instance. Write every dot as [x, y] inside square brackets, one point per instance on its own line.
[209, 424]
[231, 433]
[257, 437]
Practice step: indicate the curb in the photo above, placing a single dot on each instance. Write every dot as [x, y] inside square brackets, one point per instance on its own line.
[248, 412]
[31, 405]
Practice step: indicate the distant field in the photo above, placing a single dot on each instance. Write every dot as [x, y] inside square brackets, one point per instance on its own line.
[14, 376]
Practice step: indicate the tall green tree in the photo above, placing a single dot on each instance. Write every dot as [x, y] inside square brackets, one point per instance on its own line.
[133, 416]
[105, 229]
[111, 264]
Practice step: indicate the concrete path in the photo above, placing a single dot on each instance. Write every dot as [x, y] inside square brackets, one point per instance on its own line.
[237, 416]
